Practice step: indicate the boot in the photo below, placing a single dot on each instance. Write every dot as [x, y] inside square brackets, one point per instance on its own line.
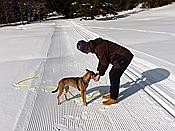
[110, 101]
[106, 96]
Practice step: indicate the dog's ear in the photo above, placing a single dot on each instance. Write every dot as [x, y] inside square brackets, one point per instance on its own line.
[87, 70]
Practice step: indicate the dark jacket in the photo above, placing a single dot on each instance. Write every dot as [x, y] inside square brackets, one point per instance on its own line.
[108, 52]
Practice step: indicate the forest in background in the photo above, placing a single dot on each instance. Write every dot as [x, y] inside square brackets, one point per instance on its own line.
[36, 10]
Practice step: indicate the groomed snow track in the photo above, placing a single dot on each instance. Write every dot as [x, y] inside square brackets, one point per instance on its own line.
[145, 101]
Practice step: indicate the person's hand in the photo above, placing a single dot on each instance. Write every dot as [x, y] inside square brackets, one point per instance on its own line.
[97, 78]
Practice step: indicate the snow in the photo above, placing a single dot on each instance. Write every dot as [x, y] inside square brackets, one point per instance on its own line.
[48, 51]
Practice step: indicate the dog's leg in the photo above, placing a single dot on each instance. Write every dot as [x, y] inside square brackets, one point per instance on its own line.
[83, 95]
[59, 95]
[58, 100]
[66, 91]
[61, 88]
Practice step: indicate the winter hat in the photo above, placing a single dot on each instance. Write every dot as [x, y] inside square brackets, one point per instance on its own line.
[82, 46]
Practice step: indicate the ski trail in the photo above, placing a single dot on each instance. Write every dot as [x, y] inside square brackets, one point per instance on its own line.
[94, 35]
[137, 110]
[25, 115]
[135, 30]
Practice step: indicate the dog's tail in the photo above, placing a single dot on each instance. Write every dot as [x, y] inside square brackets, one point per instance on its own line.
[59, 84]
[55, 90]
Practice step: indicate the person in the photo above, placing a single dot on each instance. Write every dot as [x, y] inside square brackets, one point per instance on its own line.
[108, 52]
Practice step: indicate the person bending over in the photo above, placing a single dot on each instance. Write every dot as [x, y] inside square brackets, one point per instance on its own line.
[108, 53]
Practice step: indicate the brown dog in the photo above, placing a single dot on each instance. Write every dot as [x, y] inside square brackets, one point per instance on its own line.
[81, 83]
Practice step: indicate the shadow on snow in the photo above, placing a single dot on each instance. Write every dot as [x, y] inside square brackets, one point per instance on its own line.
[148, 78]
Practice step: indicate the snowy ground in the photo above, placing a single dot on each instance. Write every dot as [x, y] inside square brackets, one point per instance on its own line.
[48, 52]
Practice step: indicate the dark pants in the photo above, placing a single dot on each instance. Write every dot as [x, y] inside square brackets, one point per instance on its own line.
[114, 76]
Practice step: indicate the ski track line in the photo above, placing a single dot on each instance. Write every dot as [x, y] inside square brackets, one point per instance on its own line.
[167, 95]
[136, 30]
[96, 36]
[160, 92]
[42, 122]
[170, 80]
[26, 112]
[23, 121]
[160, 97]
[157, 86]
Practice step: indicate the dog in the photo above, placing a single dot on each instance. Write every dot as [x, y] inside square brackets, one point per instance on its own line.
[80, 83]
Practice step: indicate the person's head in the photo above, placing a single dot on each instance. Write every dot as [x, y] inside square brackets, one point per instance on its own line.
[83, 46]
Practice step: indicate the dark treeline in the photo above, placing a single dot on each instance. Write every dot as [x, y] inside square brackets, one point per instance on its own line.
[22, 10]
[33, 10]
[155, 3]
[90, 8]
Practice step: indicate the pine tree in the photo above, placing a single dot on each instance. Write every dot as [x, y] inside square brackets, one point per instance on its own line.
[155, 3]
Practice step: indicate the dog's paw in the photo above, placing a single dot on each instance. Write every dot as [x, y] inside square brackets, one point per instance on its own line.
[85, 104]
